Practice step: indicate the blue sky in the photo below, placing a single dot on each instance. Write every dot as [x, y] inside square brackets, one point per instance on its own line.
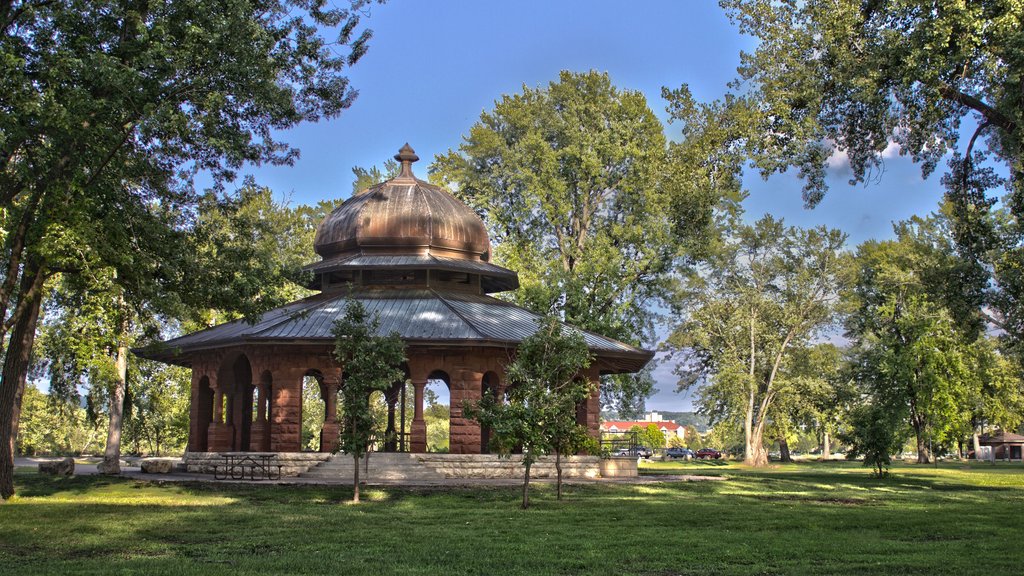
[434, 66]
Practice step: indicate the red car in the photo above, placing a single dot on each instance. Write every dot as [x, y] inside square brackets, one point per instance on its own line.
[705, 453]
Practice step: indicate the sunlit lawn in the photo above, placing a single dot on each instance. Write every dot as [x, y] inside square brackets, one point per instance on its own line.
[796, 519]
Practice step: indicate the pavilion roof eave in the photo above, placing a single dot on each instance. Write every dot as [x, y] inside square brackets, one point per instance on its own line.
[607, 362]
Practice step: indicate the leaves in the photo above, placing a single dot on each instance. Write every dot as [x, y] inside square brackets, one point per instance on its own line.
[370, 363]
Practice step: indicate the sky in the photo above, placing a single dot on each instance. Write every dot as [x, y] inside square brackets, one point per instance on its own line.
[434, 66]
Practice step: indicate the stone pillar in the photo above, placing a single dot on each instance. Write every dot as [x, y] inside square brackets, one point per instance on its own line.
[194, 423]
[464, 434]
[286, 411]
[592, 408]
[418, 431]
[390, 432]
[220, 434]
[329, 431]
[259, 432]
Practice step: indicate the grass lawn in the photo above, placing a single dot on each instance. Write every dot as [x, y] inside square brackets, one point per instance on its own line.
[794, 519]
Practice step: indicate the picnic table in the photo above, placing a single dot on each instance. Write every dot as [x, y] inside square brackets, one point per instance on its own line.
[255, 465]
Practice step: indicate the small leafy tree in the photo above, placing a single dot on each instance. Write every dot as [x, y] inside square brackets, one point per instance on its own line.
[874, 434]
[371, 363]
[544, 390]
[650, 436]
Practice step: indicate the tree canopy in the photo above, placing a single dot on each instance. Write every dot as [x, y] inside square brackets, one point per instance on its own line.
[111, 107]
[858, 77]
[769, 290]
[583, 195]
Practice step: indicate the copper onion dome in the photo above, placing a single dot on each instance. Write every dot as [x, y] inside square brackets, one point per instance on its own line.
[403, 216]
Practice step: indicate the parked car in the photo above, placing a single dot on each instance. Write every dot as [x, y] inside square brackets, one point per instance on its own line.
[706, 453]
[641, 451]
[684, 453]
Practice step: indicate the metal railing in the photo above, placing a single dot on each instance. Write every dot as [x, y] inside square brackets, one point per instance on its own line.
[619, 444]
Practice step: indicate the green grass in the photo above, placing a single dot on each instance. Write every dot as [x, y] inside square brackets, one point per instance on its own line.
[794, 519]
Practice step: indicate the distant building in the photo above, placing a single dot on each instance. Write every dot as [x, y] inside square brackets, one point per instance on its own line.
[668, 428]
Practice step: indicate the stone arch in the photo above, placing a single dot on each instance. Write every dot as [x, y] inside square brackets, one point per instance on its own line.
[489, 386]
[232, 405]
[439, 435]
[312, 415]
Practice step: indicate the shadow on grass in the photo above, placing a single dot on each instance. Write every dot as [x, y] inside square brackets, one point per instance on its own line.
[31, 484]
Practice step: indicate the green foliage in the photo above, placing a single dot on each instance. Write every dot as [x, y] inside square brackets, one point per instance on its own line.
[366, 178]
[919, 350]
[584, 197]
[312, 414]
[51, 426]
[855, 76]
[875, 434]
[766, 293]
[437, 417]
[371, 363]
[111, 108]
[157, 408]
[546, 384]
[649, 436]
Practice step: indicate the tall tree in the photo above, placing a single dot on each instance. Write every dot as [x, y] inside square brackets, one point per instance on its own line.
[546, 385]
[112, 105]
[926, 77]
[918, 335]
[371, 363]
[769, 290]
[856, 76]
[583, 196]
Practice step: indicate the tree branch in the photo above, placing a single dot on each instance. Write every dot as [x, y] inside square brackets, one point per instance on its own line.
[991, 114]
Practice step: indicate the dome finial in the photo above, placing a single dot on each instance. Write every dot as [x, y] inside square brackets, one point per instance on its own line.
[406, 156]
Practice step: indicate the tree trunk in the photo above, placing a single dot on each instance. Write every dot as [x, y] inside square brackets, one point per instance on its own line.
[784, 450]
[12, 380]
[526, 486]
[977, 445]
[558, 474]
[924, 455]
[355, 480]
[749, 455]
[112, 454]
[27, 327]
[826, 446]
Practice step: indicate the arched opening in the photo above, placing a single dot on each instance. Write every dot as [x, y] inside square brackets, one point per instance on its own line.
[488, 387]
[437, 411]
[313, 407]
[234, 382]
[204, 415]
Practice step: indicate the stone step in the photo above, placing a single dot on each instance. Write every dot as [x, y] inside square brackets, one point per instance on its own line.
[381, 467]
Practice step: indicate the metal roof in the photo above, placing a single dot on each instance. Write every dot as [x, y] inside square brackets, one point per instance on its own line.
[419, 316]
[494, 277]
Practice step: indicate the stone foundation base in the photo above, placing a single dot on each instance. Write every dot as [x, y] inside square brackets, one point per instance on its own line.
[619, 467]
[292, 463]
[493, 466]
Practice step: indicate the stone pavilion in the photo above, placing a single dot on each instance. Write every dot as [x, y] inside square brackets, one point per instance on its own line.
[419, 258]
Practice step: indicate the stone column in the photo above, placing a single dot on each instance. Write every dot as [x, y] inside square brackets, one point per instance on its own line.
[286, 411]
[329, 431]
[418, 431]
[194, 424]
[464, 436]
[219, 434]
[592, 408]
[259, 431]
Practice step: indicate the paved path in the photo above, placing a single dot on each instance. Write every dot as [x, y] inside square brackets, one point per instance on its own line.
[87, 466]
